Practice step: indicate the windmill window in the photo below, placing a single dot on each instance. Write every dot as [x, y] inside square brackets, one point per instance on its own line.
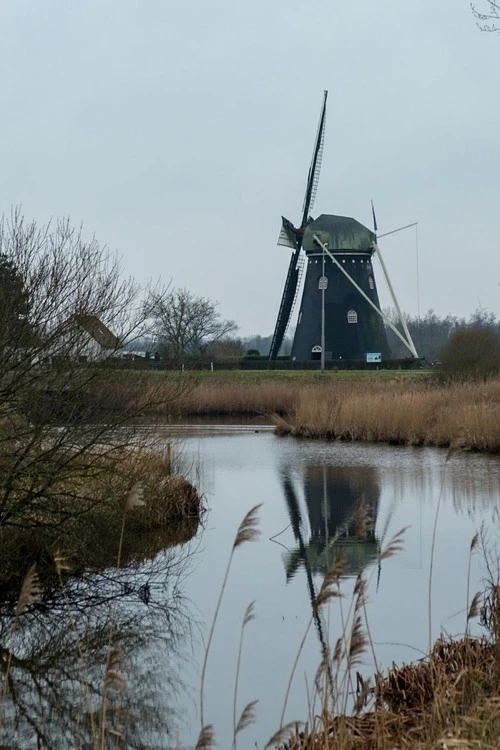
[352, 316]
[370, 283]
[316, 349]
[343, 262]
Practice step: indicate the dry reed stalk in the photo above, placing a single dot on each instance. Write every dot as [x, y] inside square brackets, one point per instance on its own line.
[329, 590]
[473, 546]
[290, 679]
[247, 718]
[358, 640]
[284, 734]
[206, 739]
[29, 594]
[433, 545]
[248, 617]
[248, 531]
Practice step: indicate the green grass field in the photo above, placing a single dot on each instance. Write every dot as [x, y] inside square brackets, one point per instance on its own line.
[290, 376]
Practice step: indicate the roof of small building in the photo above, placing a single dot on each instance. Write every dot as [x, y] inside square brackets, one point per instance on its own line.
[97, 329]
[338, 233]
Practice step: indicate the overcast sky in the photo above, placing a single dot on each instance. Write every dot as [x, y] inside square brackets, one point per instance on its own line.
[179, 131]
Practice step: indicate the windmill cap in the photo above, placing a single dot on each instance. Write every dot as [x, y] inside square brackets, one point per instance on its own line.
[338, 233]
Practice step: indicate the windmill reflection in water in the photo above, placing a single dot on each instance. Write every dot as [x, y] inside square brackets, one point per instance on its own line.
[324, 509]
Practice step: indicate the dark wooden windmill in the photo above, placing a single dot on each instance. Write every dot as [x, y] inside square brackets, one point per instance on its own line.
[339, 316]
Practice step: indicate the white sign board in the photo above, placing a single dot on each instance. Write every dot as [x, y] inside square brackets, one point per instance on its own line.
[373, 357]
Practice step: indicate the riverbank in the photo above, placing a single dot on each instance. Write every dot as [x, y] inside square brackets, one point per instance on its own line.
[402, 409]
[407, 408]
[268, 392]
[463, 416]
[128, 509]
[449, 700]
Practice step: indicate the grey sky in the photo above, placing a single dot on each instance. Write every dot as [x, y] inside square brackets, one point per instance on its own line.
[180, 131]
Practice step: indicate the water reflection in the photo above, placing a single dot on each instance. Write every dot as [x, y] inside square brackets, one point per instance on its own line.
[336, 518]
[55, 657]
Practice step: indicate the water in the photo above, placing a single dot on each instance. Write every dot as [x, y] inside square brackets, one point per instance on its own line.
[308, 492]
[162, 608]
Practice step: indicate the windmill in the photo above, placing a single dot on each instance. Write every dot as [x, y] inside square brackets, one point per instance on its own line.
[339, 315]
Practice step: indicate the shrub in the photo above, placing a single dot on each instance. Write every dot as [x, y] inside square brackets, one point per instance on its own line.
[471, 354]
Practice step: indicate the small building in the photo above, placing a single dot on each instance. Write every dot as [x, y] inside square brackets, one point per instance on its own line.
[85, 338]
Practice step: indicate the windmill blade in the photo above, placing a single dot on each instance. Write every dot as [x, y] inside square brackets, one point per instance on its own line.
[314, 169]
[291, 237]
[288, 235]
[375, 227]
[296, 522]
[287, 300]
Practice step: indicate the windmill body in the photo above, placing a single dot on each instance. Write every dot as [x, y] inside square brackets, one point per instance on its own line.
[353, 328]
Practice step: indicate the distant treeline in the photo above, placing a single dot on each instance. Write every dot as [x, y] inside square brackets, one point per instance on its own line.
[430, 333]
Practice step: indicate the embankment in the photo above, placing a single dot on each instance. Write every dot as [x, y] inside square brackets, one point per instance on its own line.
[401, 410]
[465, 415]
[406, 408]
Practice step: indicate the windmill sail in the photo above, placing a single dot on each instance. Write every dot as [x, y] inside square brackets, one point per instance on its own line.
[288, 234]
[314, 169]
[287, 299]
[290, 237]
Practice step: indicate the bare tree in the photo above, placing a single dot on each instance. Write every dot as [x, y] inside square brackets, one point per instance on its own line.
[489, 18]
[49, 476]
[185, 325]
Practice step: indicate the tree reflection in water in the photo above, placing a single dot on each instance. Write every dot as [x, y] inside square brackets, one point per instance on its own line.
[57, 655]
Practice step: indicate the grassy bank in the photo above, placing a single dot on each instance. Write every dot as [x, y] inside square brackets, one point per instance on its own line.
[465, 415]
[450, 700]
[403, 408]
[125, 394]
[109, 524]
[261, 392]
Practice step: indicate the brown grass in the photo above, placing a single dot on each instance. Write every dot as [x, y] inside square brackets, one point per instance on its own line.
[449, 700]
[397, 410]
[465, 416]
[170, 515]
[261, 397]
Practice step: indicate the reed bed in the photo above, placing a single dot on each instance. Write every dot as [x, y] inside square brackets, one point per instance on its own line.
[399, 409]
[464, 415]
[449, 700]
[245, 398]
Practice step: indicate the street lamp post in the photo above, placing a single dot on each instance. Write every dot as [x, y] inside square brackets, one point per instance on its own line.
[323, 286]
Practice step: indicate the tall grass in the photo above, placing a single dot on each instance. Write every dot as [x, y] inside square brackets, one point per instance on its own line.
[463, 415]
[397, 409]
